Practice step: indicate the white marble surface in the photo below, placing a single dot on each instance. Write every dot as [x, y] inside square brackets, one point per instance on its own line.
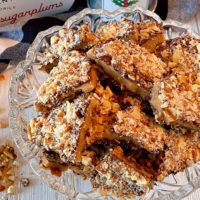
[37, 189]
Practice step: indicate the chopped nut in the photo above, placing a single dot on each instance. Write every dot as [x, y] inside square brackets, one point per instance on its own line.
[56, 172]
[62, 32]
[11, 190]
[8, 154]
[25, 182]
[2, 188]
[15, 163]
[86, 160]
[11, 178]
[7, 165]
[54, 39]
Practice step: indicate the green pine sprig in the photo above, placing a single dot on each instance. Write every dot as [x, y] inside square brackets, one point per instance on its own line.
[131, 2]
[118, 2]
[121, 2]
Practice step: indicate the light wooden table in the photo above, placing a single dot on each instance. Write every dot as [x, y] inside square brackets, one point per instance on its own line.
[37, 189]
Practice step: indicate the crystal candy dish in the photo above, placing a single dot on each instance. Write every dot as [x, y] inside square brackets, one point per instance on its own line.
[26, 81]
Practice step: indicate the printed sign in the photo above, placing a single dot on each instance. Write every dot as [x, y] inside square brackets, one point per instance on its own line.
[12, 11]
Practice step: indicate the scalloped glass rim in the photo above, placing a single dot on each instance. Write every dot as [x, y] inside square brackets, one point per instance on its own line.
[18, 121]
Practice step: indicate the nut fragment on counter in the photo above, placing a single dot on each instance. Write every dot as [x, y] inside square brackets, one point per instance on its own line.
[25, 182]
[8, 165]
[11, 189]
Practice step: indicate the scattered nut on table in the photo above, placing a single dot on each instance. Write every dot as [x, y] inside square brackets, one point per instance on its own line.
[11, 189]
[8, 166]
[25, 182]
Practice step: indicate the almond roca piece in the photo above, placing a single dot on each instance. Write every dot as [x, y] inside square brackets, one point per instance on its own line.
[134, 125]
[66, 40]
[60, 130]
[147, 34]
[75, 75]
[120, 176]
[129, 64]
[99, 118]
[176, 100]
[181, 52]
[182, 151]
